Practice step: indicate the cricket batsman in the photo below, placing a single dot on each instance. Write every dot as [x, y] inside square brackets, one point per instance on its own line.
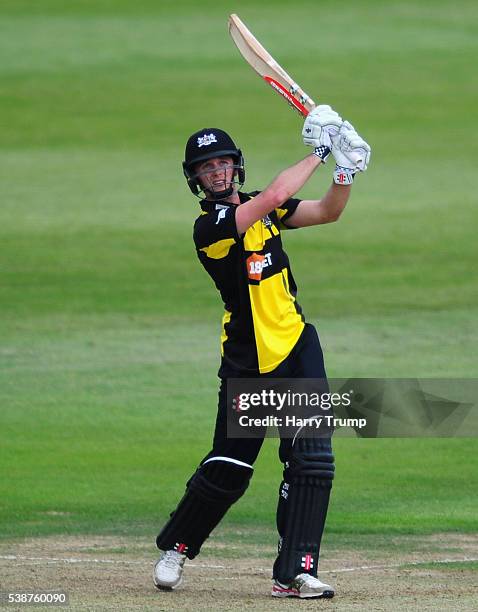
[264, 334]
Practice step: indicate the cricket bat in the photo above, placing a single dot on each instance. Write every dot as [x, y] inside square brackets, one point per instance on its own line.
[266, 66]
[272, 73]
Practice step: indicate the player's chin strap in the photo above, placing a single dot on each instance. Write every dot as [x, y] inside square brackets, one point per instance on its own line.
[220, 195]
[202, 193]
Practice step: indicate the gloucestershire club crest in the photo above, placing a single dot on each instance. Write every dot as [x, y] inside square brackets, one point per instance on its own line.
[207, 139]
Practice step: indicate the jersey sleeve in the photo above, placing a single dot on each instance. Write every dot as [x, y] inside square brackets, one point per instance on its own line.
[215, 232]
[285, 211]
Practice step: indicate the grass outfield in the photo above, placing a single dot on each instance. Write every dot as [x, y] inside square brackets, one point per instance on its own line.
[108, 326]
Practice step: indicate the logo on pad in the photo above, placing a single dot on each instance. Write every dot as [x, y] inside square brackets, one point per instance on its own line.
[307, 562]
[180, 547]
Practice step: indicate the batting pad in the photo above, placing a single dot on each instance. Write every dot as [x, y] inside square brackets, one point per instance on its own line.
[302, 508]
[209, 494]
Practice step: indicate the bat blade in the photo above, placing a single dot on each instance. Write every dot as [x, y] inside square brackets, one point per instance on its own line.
[266, 66]
[271, 72]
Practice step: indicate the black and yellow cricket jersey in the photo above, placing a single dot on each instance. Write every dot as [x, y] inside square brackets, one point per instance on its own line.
[262, 320]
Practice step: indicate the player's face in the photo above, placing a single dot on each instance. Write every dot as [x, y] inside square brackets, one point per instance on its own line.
[216, 174]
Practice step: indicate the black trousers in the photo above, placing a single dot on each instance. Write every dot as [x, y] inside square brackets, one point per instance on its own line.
[305, 361]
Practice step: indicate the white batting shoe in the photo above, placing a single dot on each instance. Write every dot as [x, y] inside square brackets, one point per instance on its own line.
[304, 586]
[168, 570]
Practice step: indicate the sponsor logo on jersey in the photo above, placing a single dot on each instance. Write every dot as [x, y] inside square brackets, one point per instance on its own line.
[221, 215]
[206, 140]
[256, 263]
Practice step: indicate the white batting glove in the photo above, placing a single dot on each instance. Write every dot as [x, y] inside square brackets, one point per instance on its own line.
[351, 153]
[349, 149]
[319, 126]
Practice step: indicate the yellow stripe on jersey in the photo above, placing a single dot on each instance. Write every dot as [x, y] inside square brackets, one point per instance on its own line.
[219, 249]
[277, 324]
[256, 236]
[225, 320]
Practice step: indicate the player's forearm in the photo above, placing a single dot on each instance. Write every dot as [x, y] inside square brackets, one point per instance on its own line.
[334, 201]
[283, 187]
[291, 180]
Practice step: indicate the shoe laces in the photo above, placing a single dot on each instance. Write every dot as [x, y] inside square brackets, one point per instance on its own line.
[171, 559]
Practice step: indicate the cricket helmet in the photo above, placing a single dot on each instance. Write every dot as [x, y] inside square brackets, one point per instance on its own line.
[206, 144]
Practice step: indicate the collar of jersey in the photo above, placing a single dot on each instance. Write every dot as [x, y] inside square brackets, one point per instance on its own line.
[216, 205]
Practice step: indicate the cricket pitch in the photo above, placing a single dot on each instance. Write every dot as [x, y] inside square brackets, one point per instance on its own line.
[108, 573]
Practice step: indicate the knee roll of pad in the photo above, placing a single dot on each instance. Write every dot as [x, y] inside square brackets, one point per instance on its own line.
[310, 457]
[210, 492]
[220, 481]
